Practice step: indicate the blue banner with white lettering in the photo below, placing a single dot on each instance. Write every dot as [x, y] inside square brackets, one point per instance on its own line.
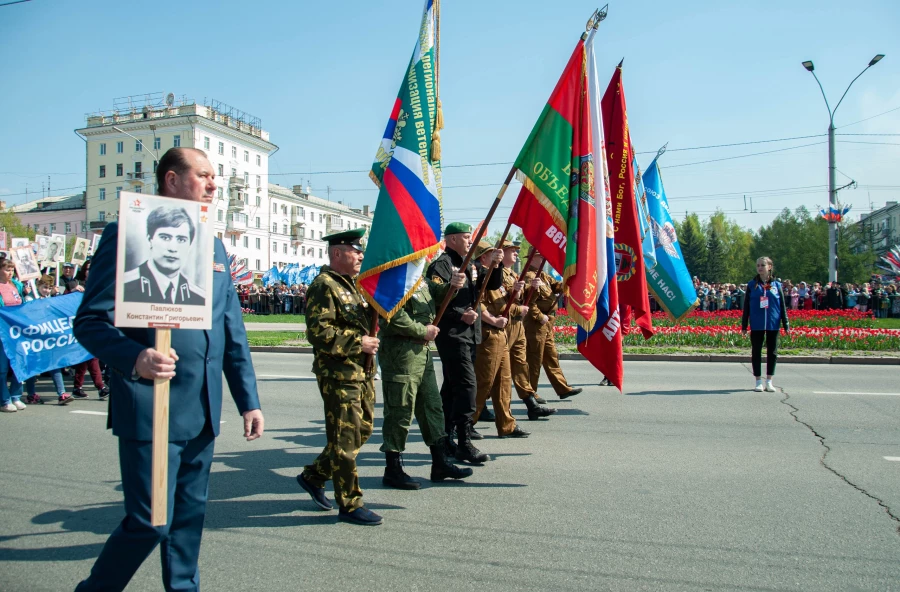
[669, 280]
[37, 336]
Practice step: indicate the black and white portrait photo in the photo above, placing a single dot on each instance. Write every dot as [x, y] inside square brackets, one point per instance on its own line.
[80, 251]
[26, 265]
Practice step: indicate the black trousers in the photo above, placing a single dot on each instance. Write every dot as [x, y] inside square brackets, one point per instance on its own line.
[756, 343]
[458, 389]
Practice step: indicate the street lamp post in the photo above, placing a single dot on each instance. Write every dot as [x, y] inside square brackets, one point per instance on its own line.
[832, 191]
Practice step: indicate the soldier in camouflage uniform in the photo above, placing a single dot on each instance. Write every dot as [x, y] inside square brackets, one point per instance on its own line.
[338, 322]
[410, 386]
[515, 335]
[541, 341]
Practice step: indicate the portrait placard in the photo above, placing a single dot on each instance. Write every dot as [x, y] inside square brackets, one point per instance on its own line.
[56, 249]
[165, 263]
[42, 242]
[26, 265]
[95, 242]
[15, 243]
[80, 252]
[3, 246]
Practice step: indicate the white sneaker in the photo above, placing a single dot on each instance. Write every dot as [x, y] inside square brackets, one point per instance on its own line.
[8, 408]
[19, 405]
[759, 385]
[769, 387]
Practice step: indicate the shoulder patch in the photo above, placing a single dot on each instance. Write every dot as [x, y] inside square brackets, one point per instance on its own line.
[131, 275]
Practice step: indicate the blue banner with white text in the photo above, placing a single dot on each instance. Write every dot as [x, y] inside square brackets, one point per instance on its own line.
[669, 280]
[37, 336]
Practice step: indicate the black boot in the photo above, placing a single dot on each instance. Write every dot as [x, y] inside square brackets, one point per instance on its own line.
[394, 475]
[441, 468]
[449, 444]
[465, 451]
[536, 411]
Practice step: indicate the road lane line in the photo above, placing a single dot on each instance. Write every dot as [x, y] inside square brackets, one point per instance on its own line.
[89, 412]
[856, 393]
[892, 458]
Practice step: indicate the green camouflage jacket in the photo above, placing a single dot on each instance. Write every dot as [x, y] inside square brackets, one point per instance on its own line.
[337, 317]
[419, 311]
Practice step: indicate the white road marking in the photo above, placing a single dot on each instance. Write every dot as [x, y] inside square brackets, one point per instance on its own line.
[282, 376]
[892, 458]
[856, 393]
[89, 412]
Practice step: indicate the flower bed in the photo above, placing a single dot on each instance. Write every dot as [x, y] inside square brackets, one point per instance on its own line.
[827, 330]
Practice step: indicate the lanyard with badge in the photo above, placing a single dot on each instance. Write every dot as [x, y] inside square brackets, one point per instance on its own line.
[764, 299]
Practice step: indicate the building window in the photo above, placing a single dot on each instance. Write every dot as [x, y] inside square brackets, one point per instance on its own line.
[206, 142]
[101, 216]
[234, 172]
[284, 248]
[234, 152]
[257, 225]
[118, 192]
[155, 166]
[222, 148]
[258, 266]
[246, 242]
[68, 227]
[258, 200]
[219, 215]
[246, 156]
[246, 178]
[257, 241]
[83, 226]
[219, 193]
[295, 250]
[285, 228]
[274, 247]
[274, 208]
[52, 227]
[102, 171]
[176, 141]
[138, 189]
[321, 217]
[156, 143]
[233, 240]
[102, 149]
[258, 181]
[137, 168]
[274, 227]
[222, 171]
[258, 160]
[138, 146]
[120, 147]
[103, 194]
[320, 253]
[119, 170]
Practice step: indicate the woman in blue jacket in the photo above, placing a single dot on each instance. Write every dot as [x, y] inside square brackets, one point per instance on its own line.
[764, 309]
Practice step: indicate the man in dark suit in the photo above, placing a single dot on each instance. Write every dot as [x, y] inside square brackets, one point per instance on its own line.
[195, 404]
[170, 233]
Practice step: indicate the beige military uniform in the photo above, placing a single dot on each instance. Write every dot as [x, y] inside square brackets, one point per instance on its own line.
[492, 369]
[540, 339]
[515, 339]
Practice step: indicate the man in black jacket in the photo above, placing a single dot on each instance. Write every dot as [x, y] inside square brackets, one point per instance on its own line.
[460, 333]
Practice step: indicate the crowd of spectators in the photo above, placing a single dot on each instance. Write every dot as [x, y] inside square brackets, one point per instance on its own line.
[276, 299]
[882, 299]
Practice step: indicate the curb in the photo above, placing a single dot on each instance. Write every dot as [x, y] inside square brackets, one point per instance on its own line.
[710, 358]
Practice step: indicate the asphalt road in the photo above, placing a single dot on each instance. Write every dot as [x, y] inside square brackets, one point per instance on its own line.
[687, 482]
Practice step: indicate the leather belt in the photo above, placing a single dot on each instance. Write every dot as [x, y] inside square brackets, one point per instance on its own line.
[410, 339]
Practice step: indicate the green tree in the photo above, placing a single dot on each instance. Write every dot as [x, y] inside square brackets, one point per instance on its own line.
[737, 243]
[693, 245]
[13, 226]
[715, 258]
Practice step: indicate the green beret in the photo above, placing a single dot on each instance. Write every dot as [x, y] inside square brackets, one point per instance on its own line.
[457, 228]
[347, 237]
[483, 247]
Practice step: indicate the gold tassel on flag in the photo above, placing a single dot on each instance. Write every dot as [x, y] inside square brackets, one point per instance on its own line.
[436, 133]
[439, 116]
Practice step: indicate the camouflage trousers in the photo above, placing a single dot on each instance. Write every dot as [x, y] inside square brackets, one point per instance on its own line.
[349, 413]
[410, 387]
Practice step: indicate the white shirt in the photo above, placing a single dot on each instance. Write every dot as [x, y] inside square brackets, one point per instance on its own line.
[163, 281]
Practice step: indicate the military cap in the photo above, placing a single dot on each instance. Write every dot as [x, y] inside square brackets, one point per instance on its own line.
[347, 237]
[509, 245]
[483, 247]
[457, 228]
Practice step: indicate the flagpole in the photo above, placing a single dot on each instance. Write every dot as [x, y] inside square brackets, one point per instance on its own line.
[537, 274]
[521, 278]
[490, 270]
[452, 291]
[370, 358]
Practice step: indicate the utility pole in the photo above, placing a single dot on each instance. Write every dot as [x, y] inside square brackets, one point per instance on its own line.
[832, 190]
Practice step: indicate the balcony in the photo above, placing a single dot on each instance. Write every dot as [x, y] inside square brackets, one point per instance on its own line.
[334, 224]
[236, 204]
[97, 224]
[237, 183]
[236, 223]
[298, 234]
[136, 178]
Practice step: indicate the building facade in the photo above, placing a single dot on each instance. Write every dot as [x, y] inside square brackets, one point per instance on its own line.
[883, 225]
[259, 222]
[63, 214]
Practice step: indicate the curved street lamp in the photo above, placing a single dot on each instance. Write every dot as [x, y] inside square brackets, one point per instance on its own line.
[832, 192]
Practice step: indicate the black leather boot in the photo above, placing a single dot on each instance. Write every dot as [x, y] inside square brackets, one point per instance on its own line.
[465, 451]
[441, 468]
[394, 475]
[536, 411]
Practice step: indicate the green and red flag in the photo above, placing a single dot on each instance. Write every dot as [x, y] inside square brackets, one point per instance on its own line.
[407, 224]
[630, 276]
[556, 206]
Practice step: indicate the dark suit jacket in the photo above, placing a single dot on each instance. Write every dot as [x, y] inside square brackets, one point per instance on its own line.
[143, 288]
[196, 391]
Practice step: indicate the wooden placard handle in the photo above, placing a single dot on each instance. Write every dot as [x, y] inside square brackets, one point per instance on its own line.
[373, 329]
[159, 486]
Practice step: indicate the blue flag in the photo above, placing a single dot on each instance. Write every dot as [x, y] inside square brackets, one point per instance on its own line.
[669, 280]
[648, 243]
[37, 336]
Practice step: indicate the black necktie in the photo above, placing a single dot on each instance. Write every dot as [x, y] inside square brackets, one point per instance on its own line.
[168, 296]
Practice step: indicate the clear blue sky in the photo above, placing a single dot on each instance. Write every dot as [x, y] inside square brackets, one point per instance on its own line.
[323, 75]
